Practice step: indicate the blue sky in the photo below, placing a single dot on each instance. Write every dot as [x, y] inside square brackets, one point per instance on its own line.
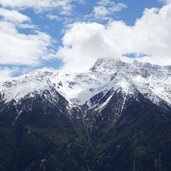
[55, 27]
[51, 33]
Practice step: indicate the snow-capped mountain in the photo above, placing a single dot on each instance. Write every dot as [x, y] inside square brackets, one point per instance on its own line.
[116, 116]
[153, 81]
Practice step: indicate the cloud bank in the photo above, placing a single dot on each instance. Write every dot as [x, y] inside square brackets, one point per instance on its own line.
[24, 44]
[85, 42]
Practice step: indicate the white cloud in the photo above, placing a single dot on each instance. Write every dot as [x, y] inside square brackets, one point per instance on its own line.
[81, 46]
[84, 42]
[105, 8]
[100, 11]
[64, 6]
[21, 49]
[13, 16]
[53, 17]
[9, 72]
[5, 73]
[17, 48]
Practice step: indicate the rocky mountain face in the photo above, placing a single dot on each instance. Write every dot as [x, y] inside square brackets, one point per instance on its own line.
[115, 117]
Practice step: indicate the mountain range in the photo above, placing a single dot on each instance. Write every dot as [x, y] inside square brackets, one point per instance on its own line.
[114, 117]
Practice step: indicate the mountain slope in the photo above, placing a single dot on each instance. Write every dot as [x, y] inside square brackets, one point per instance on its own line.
[114, 117]
[135, 136]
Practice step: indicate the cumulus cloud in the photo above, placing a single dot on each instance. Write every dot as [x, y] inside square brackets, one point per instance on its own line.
[17, 48]
[84, 42]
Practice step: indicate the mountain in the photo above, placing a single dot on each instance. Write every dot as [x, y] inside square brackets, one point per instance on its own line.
[116, 117]
[152, 81]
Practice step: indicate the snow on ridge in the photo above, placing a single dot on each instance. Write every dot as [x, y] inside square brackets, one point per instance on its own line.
[151, 80]
[16, 89]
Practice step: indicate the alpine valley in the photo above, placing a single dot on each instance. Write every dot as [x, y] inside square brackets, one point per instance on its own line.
[115, 117]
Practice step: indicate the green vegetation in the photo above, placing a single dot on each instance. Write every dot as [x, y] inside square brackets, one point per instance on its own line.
[140, 140]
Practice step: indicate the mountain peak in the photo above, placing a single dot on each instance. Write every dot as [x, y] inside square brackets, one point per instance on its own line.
[152, 81]
[107, 64]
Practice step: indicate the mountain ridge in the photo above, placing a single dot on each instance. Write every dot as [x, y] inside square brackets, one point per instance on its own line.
[152, 81]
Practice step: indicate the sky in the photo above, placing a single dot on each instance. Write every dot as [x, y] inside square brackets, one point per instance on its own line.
[70, 35]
